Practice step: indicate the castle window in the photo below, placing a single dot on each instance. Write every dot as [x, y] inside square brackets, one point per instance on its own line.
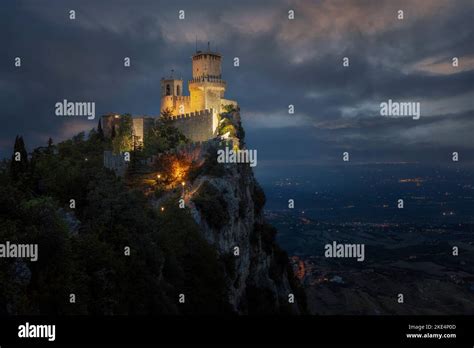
[178, 91]
[168, 90]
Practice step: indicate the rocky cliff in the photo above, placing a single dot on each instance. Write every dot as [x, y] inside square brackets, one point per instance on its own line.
[227, 203]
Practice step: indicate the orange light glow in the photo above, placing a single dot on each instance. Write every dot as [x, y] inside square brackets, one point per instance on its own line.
[180, 170]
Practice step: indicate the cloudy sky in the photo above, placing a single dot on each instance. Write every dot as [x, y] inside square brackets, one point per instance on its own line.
[282, 62]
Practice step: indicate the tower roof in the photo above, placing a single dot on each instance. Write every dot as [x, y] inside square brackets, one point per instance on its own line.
[171, 78]
[208, 51]
[201, 53]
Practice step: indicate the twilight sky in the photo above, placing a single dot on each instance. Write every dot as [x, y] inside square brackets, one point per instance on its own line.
[282, 62]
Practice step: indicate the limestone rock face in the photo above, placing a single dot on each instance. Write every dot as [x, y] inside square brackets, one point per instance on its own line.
[259, 278]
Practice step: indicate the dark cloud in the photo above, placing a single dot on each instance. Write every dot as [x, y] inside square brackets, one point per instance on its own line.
[282, 62]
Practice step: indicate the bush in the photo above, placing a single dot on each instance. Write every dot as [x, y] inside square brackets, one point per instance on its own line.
[123, 140]
[228, 129]
[229, 108]
[163, 136]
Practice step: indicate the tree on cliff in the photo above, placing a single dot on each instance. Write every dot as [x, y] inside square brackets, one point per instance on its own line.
[19, 161]
[162, 137]
[100, 131]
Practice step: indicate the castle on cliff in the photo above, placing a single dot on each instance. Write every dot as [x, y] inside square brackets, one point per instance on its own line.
[196, 114]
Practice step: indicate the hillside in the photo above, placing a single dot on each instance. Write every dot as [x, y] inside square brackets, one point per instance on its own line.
[128, 245]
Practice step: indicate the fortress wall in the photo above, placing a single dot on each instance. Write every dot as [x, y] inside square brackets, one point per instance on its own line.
[196, 126]
[213, 99]
[141, 125]
[198, 101]
[206, 95]
[115, 162]
[174, 103]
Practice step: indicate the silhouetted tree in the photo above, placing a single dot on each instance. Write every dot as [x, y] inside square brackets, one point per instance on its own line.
[100, 130]
[19, 162]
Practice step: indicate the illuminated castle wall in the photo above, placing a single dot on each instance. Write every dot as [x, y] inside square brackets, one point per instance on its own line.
[196, 115]
[206, 89]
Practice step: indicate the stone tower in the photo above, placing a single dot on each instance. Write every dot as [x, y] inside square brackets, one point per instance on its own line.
[172, 96]
[206, 87]
[171, 87]
[205, 102]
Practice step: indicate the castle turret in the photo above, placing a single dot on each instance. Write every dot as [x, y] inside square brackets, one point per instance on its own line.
[206, 87]
[171, 87]
[206, 93]
[172, 98]
[207, 64]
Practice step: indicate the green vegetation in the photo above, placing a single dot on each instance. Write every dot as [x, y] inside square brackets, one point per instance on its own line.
[123, 138]
[162, 137]
[226, 126]
[19, 161]
[229, 108]
[230, 123]
[101, 239]
[82, 250]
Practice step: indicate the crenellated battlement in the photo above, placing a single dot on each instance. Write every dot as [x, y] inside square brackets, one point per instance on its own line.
[196, 115]
[201, 113]
[207, 79]
[178, 98]
[197, 126]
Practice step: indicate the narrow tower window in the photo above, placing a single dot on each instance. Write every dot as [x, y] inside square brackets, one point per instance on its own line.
[168, 91]
[178, 90]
